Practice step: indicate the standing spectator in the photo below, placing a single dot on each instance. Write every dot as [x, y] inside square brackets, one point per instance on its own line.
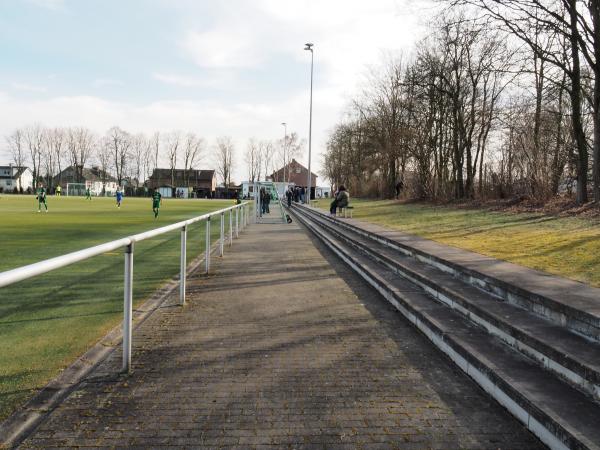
[341, 200]
[302, 194]
[288, 195]
[267, 201]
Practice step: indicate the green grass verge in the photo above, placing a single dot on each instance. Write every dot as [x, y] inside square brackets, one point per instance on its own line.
[48, 321]
[569, 247]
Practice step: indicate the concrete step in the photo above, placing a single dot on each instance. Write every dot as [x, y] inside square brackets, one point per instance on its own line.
[567, 303]
[568, 355]
[558, 413]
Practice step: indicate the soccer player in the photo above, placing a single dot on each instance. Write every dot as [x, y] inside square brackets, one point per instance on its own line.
[57, 191]
[88, 194]
[119, 196]
[156, 197]
[41, 197]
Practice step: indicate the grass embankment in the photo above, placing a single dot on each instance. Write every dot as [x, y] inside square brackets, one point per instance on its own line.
[48, 321]
[565, 246]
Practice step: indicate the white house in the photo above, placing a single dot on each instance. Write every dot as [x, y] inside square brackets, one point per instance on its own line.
[98, 181]
[15, 177]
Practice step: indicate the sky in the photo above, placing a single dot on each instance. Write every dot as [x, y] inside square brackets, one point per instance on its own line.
[228, 67]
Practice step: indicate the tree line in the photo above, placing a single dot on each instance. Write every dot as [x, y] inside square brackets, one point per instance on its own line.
[263, 157]
[117, 153]
[502, 99]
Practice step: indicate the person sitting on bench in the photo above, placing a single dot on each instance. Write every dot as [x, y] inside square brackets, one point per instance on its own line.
[340, 201]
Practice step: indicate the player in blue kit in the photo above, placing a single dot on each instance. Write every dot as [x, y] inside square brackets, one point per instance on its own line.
[119, 196]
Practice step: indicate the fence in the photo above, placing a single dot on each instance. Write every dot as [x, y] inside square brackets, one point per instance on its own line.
[241, 219]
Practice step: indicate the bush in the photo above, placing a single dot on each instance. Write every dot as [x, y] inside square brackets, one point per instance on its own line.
[15, 190]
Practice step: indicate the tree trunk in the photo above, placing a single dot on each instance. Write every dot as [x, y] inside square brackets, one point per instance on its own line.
[578, 131]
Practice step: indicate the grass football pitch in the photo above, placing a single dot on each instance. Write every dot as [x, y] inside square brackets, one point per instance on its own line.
[48, 321]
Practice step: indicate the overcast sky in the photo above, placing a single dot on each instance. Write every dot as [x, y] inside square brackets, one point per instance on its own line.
[219, 67]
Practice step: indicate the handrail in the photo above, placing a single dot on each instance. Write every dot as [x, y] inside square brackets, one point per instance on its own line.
[29, 271]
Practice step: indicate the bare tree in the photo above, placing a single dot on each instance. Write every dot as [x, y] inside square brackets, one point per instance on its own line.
[155, 141]
[16, 146]
[253, 160]
[192, 152]
[172, 147]
[289, 148]
[139, 148]
[267, 152]
[34, 137]
[224, 159]
[48, 157]
[120, 145]
[104, 158]
[57, 142]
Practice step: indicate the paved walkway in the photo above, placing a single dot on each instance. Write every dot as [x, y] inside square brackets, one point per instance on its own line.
[282, 347]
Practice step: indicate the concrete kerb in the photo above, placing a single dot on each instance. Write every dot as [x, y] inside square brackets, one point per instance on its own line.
[580, 375]
[541, 424]
[21, 423]
[580, 321]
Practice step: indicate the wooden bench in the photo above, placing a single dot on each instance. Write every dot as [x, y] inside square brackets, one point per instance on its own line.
[344, 210]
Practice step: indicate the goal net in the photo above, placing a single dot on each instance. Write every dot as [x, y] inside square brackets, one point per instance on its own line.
[76, 189]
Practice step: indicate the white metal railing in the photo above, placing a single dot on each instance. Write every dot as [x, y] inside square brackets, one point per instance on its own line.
[32, 270]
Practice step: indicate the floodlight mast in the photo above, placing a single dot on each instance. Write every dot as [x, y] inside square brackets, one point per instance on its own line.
[309, 47]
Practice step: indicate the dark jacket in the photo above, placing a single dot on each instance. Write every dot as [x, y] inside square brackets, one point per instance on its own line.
[342, 199]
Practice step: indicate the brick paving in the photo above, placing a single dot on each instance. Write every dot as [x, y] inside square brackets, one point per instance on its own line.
[281, 347]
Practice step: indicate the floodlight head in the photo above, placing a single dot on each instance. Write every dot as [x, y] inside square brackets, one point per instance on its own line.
[283, 123]
[308, 46]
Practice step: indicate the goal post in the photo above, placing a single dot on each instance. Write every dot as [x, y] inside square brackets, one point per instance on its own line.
[76, 189]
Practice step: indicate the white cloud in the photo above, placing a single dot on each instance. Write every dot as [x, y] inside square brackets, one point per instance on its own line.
[49, 4]
[223, 47]
[104, 82]
[216, 79]
[28, 87]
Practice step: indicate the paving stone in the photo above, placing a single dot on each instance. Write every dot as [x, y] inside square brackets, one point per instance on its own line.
[281, 347]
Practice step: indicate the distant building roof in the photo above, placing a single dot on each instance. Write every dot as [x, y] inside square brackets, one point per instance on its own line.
[182, 177]
[295, 173]
[17, 171]
[69, 175]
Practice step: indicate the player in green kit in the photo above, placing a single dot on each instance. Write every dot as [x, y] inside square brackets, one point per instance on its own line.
[41, 198]
[156, 203]
[88, 194]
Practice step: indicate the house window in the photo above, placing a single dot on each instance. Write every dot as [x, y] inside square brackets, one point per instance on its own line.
[298, 170]
[9, 182]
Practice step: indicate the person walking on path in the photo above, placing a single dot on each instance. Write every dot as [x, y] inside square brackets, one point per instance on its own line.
[288, 196]
[156, 199]
[341, 200]
[399, 187]
[41, 198]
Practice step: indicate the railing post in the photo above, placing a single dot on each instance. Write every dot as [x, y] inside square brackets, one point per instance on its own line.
[207, 257]
[127, 307]
[237, 222]
[230, 227]
[242, 220]
[221, 241]
[183, 265]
